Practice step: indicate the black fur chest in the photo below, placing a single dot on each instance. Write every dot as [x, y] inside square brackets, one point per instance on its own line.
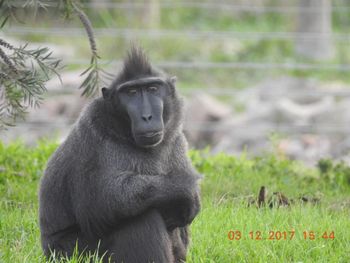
[142, 161]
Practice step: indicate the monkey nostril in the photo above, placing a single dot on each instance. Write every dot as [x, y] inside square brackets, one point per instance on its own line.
[146, 117]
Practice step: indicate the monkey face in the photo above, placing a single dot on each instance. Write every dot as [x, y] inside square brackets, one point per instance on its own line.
[143, 105]
[144, 99]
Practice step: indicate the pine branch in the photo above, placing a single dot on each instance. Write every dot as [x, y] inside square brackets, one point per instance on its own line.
[23, 87]
[93, 79]
[5, 44]
[88, 28]
[8, 61]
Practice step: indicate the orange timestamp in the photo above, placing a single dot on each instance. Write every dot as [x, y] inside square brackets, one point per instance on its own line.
[279, 235]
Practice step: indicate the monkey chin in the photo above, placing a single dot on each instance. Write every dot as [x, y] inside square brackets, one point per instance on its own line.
[149, 140]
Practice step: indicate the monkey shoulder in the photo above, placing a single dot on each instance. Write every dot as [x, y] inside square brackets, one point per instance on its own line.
[179, 162]
[70, 160]
[178, 151]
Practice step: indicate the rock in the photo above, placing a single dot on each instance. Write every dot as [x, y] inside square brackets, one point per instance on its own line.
[285, 86]
[203, 113]
[58, 107]
[253, 138]
[340, 110]
[307, 147]
[68, 81]
[294, 112]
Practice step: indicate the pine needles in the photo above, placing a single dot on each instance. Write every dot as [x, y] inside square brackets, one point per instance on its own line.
[24, 72]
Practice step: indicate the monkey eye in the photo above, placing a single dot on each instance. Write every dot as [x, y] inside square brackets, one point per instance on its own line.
[131, 91]
[152, 88]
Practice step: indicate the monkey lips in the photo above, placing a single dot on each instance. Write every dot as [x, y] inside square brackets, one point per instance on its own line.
[149, 139]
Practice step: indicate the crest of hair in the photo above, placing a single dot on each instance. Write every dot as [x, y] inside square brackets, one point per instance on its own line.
[136, 65]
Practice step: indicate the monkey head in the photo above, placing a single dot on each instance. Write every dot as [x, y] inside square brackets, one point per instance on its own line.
[141, 94]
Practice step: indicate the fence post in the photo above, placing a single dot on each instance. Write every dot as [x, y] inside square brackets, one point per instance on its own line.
[315, 17]
[151, 13]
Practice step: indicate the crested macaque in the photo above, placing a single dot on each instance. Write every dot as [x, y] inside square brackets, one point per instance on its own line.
[121, 182]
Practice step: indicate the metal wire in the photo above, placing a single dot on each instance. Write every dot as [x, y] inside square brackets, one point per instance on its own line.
[215, 126]
[227, 65]
[222, 6]
[128, 32]
[230, 7]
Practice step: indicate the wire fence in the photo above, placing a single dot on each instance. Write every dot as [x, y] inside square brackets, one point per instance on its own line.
[228, 65]
[219, 36]
[212, 126]
[284, 8]
[149, 33]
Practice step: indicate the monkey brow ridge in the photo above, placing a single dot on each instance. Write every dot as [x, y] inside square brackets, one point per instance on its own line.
[142, 81]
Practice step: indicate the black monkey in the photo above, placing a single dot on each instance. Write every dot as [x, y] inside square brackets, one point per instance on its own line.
[121, 181]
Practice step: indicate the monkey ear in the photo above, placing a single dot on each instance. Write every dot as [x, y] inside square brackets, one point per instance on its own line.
[105, 93]
[171, 82]
[173, 79]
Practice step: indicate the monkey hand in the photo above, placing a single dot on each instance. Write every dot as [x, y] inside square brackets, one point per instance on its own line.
[193, 207]
[181, 212]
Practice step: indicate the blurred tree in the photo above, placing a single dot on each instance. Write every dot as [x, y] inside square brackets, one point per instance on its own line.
[151, 13]
[24, 72]
[314, 23]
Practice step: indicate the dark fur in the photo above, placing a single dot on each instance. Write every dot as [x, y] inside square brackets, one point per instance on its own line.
[101, 187]
[136, 65]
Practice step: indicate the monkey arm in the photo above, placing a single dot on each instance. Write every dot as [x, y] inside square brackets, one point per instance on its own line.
[115, 197]
[181, 211]
[129, 194]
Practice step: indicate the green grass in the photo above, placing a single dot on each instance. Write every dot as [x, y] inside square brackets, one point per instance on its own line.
[211, 242]
[228, 183]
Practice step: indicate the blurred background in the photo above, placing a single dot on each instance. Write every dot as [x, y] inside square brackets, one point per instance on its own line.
[257, 75]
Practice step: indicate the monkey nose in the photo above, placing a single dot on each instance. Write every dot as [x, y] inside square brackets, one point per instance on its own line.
[147, 117]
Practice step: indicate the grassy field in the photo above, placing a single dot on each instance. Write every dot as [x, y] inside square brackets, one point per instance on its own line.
[302, 232]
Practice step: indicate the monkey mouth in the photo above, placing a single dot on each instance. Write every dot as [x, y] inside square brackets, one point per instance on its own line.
[149, 139]
[151, 134]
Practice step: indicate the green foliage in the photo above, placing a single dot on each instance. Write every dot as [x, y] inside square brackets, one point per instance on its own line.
[210, 230]
[227, 184]
[334, 173]
[78, 258]
[24, 72]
